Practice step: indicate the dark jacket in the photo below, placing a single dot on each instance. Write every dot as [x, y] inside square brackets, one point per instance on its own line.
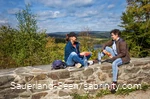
[122, 50]
[70, 48]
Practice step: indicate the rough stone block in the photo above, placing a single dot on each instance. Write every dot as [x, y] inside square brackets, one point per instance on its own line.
[91, 81]
[107, 71]
[102, 77]
[63, 93]
[6, 85]
[9, 93]
[107, 67]
[88, 72]
[139, 63]
[147, 67]
[29, 78]
[39, 95]
[132, 70]
[69, 81]
[22, 70]
[6, 79]
[36, 70]
[110, 75]
[146, 80]
[40, 77]
[25, 94]
[59, 74]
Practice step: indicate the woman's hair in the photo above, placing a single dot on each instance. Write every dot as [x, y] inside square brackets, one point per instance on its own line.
[116, 32]
[71, 34]
[67, 38]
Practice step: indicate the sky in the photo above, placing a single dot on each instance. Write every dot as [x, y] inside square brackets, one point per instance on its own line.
[67, 15]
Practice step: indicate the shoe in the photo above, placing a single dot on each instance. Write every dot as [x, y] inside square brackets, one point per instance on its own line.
[78, 65]
[113, 88]
[90, 62]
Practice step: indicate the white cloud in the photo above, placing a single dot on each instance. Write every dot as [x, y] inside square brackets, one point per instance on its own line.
[3, 21]
[107, 23]
[79, 2]
[64, 3]
[27, 2]
[44, 15]
[13, 11]
[86, 13]
[68, 15]
[54, 26]
[111, 6]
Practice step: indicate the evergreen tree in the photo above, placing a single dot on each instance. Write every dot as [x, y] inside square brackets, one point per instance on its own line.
[136, 22]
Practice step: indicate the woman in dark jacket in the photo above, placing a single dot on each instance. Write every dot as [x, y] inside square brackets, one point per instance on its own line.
[118, 53]
[72, 52]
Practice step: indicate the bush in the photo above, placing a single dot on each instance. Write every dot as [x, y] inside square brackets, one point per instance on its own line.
[26, 46]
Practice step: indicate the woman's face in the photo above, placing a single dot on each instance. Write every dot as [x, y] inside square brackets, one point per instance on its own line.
[113, 36]
[73, 38]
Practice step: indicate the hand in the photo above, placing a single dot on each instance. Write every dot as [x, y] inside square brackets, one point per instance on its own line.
[104, 51]
[107, 53]
[85, 53]
[82, 53]
[111, 56]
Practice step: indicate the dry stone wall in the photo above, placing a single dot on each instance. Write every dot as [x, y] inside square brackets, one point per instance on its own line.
[40, 82]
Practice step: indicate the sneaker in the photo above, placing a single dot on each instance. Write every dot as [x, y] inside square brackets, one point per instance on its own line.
[113, 88]
[90, 62]
[78, 65]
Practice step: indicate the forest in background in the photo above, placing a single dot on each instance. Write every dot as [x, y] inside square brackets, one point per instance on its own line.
[26, 46]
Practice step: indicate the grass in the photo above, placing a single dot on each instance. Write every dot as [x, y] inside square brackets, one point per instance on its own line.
[103, 92]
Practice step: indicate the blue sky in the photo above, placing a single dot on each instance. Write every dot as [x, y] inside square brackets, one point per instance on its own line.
[67, 15]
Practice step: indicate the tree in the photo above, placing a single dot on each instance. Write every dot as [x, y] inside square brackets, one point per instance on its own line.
[30, 44]
[24, 46]
[26, 20]
[136, 22]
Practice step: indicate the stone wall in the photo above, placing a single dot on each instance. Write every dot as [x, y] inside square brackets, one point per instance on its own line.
[43, 83]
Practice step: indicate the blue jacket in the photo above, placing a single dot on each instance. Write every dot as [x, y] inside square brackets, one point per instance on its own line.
[69, 48]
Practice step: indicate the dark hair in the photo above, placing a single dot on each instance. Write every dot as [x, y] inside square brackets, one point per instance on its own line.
[67, 38]
[116, 32]
[71, 34]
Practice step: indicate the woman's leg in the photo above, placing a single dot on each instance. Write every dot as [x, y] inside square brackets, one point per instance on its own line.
[115, 65]
[108, 49]
[74, 58]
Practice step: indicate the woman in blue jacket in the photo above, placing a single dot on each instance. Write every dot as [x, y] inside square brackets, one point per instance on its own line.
[72, 52]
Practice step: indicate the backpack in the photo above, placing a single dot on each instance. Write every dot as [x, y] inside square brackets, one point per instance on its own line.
[58, 64]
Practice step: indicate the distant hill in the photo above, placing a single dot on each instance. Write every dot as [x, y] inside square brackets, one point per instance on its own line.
[97, 34]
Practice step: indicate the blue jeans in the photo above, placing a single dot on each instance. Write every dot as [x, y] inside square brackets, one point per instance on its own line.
[115, 63]
[74, 58]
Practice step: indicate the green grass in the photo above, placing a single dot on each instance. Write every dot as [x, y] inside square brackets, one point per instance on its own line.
[103, 92]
